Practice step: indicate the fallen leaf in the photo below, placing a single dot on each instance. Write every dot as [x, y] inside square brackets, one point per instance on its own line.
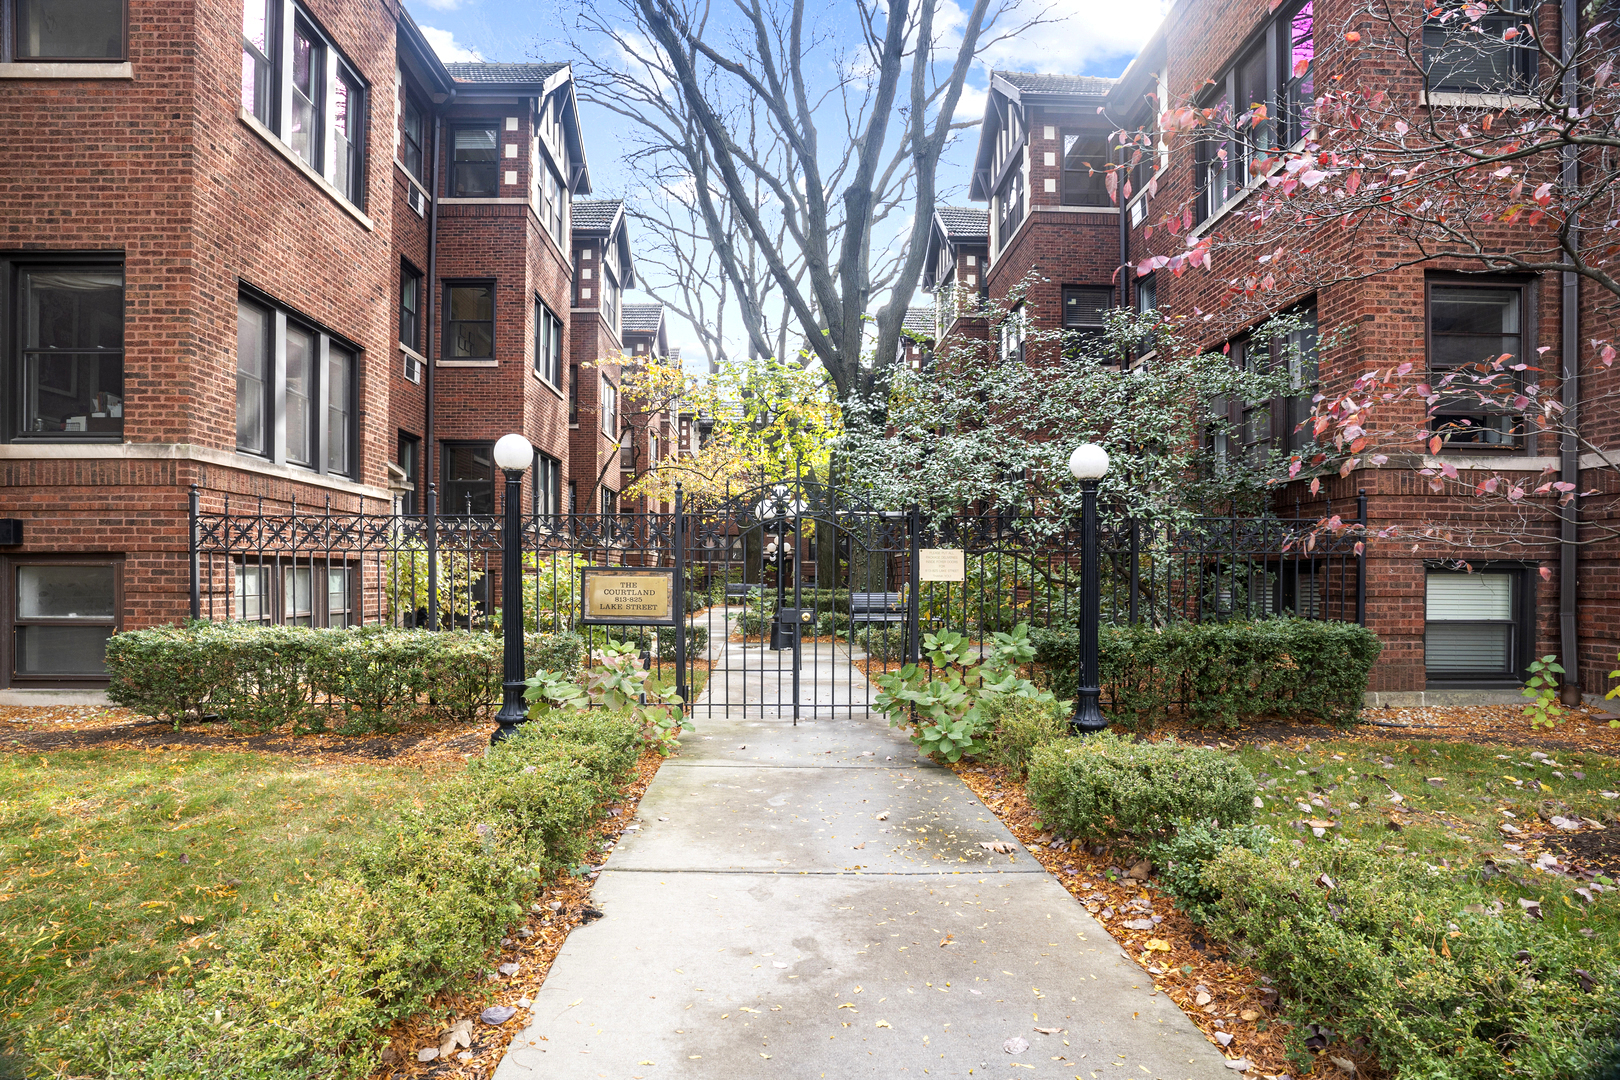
[1157, 945]
[1050, 1031]
[1202, 999]
[1249, 1015]
[883, 1023]
[497, 1015]
[1016, 1045]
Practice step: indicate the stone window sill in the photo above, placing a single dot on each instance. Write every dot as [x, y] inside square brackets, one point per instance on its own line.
[52, 70]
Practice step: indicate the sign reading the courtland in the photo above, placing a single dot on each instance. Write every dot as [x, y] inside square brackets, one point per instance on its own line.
[619, 595]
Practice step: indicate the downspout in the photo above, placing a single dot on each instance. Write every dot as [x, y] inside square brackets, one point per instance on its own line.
[430, 452]
[1570, 450]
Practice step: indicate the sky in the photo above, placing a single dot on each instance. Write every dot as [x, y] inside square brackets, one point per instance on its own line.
[1086, 37]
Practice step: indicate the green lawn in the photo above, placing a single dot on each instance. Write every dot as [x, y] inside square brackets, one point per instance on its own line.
[121, 869]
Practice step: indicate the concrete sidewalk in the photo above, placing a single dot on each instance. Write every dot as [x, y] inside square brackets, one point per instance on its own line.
[817, 902]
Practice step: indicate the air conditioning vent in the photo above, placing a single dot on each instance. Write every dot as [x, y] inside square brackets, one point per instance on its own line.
[418, 203]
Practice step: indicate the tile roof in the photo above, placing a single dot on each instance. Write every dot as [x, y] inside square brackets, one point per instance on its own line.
[641, 318]
[502, 73]
[594, 215]
[964, 222]
[919, 320]
[1030, 82]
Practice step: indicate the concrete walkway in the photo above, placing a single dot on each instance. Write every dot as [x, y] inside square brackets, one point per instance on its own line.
[819, 902]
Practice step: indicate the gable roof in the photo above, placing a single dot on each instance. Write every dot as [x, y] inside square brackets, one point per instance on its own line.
[641, 318]
[1040, 83]
[1011, 93]
[503, 74]
[920, 321]
[596, 215]
[964, 222]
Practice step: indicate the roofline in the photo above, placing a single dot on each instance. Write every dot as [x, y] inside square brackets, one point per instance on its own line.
[406, 29]
[1016, 94]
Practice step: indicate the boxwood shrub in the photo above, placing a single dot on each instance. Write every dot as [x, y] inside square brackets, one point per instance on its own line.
[361, 679]
[308, 988]
[1220, 674]
[1107, 783]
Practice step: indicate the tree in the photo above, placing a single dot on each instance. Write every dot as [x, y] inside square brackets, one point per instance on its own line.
[840, 139]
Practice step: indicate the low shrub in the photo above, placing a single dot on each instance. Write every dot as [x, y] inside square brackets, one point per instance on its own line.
[1220, 674]
[1106, 783]
[1182, 858]
[363, 679]
[308, 988]
[697, 639]
[1424, 967]
[881, 643]
[1019, 725]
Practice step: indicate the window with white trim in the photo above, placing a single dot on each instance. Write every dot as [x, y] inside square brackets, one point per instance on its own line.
[548, 344]
[610, 409]
[299, 85]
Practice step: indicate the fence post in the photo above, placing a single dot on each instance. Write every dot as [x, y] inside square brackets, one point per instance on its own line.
[1136, 569]
[196, 567]
[433, 556]
[1361, 559]
[913, 637]
[678, 534]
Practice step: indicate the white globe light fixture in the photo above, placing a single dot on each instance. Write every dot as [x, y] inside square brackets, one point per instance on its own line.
[513, 453]
[1088, 462]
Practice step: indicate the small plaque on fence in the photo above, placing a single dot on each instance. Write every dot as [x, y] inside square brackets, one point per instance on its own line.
[942, 564]
[618, 595]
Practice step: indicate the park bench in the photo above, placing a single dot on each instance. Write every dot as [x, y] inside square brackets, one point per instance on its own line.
[881, 608]
[737, 591]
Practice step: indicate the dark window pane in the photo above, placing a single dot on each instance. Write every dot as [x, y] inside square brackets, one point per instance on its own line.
[339, 409]
[1459, 310]
[1083, 307]
[410, 149]
[470, 330]
[475, 162]
[62, 650]
[73, 359]
[253, 329]
[1085, 170]
[409, 450]
[469, 479]
[66, 592]
[410, 308]
[300, 395]
[70, 29]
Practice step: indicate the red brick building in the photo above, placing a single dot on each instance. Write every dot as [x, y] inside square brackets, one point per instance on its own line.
[1447, 634]
[649, 428]
[602, 272]
[283, 256]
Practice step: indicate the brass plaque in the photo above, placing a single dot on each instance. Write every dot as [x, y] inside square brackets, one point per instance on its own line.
[614, 594]
[942, 564]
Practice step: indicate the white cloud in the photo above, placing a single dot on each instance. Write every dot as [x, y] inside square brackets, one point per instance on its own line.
[441, 5]
[970, 106]
[1085, 37]
[444, 43]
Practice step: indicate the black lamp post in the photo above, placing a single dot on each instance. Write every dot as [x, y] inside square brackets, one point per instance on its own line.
[514, 455]
[1088, 463]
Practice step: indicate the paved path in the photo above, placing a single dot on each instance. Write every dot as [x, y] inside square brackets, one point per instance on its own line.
[816, 902]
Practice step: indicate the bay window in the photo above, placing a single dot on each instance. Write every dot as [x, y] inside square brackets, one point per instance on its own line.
[297, 85]
[296, 387]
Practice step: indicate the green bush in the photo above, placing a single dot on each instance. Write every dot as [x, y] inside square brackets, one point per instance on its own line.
[1440, 978]
[1183, 857]
[1019, 725]
[882, 643]
[1103, 783]
[697, 639]
[364, 679]
[1220, 673]
[308, 989]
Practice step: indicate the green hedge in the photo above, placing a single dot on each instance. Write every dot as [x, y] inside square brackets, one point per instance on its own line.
[1434, 974]
[308, 989]
[1108, 783]
[363, 679]
[697, 639]
[1219, 674]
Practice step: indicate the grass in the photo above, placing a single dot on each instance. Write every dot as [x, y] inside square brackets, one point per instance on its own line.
[123, 870]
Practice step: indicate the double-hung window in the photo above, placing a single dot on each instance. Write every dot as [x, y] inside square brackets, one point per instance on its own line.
[1476, 625]
[412, 138]
[610, 409]
[316, 592]
[410, 464]
[297, 84]
[64, 357]
[573, 395]
[548, 344]
[1469, 326]
[296, 390]
[1464, 55]
[1010, 335]
[410, 318]
[1254, 429]
[469, 325]
[469, 478]
[1299, 83]
[1084, 307]
[547, 487]
[475, 151]
[1085, 169]
[610, 298]
[56, 614]
[72, 30]
[1010, 207]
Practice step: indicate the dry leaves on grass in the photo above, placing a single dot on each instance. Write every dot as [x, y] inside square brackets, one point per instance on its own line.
[1223, 998]
[559, 908]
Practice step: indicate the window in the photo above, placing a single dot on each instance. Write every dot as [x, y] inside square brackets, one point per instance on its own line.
[610, 409]
[305, 93]
[410, 463]
[313, 593]
[573, 395]
[573, 497]
[469, 478]
[1471, 325]
[1474, 625]
[410, 316]
[474, 165]
[1010, 335]
[298, 381]
[627, 451]
[60, 614]
[548, 344]
[551, 196]
[469, 331]
[547, 486]
[67, 370]
[69, 29]
[412, 138]
[1146, 295]
[1257, 428]
[610, 299]
[1299, 87]
[610, 502]
[1467, 56]
[1085, 169]
[1010, 207]
[1083, 310]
